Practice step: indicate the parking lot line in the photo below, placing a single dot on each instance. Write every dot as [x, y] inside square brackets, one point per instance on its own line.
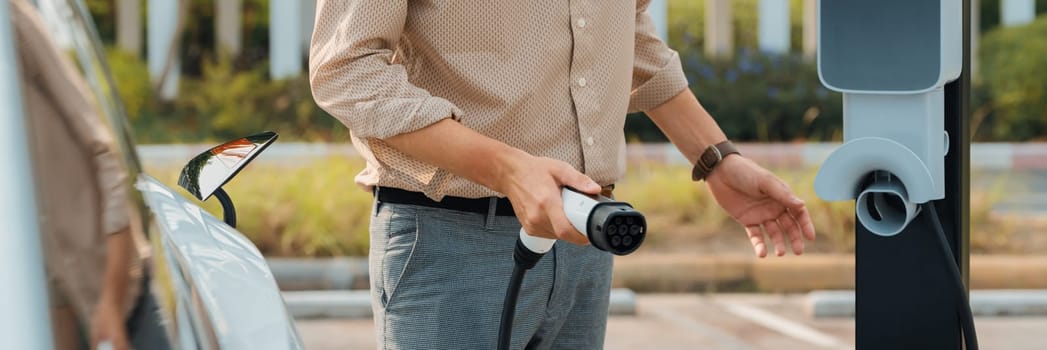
[783, 325]
[719, 336]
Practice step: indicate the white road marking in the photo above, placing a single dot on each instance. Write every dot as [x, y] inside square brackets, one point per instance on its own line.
[784, 325]
[717, 335]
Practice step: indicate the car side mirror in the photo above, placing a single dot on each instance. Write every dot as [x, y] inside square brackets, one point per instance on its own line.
[206, 173]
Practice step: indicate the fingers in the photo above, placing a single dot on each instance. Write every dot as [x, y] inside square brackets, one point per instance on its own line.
[536, 197]
[780, 192]
[563, 228]
[567, 176]
[788, 224]
[547, 220]
[756, 239]
[803, 220]
[775, 232]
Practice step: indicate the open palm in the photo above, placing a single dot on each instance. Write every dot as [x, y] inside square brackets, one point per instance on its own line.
[758, 200]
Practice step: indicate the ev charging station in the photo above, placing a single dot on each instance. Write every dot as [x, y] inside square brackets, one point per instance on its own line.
[903, 69]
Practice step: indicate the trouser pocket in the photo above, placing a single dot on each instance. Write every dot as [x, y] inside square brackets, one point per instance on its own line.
[394, 239]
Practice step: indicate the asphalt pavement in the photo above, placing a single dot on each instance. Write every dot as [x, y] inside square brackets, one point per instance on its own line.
[732, 321]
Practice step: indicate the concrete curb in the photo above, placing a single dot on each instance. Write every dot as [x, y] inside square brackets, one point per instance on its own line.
[345, 304]
[319, 274]
[825, 304]
[356, 304]
[692, 273]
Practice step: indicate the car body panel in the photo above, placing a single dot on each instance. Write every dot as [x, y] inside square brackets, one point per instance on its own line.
[214, 288]
[24, 321]
[219, 276]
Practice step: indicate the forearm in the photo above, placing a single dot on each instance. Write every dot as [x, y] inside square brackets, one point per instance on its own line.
[531, 183]
[687, 124]
[454, 147]
[119, 248]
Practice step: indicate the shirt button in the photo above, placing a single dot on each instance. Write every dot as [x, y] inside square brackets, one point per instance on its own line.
[581, 23]
[589, 140]
[582, 82]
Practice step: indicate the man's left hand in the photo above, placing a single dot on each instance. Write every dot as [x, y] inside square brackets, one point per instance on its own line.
[757, 199]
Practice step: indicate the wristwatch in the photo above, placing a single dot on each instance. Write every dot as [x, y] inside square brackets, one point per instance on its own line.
[710, 158]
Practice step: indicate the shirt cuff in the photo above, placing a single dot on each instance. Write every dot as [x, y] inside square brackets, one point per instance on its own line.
[668, 82]
[425, 112]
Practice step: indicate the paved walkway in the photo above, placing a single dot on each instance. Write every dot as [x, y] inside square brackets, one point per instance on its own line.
[689, 321]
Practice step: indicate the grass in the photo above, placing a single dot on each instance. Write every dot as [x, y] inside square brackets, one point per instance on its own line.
[312, 210]
[316, 210]
[684, 216]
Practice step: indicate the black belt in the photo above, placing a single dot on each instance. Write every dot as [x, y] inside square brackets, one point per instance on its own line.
[471, 205]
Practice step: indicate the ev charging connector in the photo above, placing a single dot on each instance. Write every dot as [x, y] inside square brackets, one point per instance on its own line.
[611, 226]
[891, 60]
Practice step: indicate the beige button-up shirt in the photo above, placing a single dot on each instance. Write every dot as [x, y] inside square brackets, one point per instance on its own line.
[554, 78]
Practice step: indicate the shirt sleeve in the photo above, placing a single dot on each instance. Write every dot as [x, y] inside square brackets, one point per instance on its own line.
[353, 74]
[657, 73]
[49, 70]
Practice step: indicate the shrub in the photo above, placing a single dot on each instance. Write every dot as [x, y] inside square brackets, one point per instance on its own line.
[131, 76]
[1014, 73]
[225, 103]
[990, 13]
[754, 96]
[231, 104]
[758, 97]
[687, 23]
[766, 97]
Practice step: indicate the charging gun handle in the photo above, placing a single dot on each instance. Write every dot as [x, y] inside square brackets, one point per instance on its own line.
[537, 245]
[576, 206]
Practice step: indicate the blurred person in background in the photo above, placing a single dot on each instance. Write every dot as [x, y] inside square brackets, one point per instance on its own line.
[98, 291]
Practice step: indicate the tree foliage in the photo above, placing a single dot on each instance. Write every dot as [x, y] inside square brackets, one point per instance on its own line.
[754, 96]
[1013, 75]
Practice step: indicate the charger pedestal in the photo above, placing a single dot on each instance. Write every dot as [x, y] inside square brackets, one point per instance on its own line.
[904, 296]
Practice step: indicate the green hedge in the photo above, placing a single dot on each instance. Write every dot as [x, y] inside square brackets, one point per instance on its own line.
[222, 104]
[1012, 84]
[687, 23]
[755, 97]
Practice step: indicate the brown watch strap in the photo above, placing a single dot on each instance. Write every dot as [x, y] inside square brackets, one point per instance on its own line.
[710, 158]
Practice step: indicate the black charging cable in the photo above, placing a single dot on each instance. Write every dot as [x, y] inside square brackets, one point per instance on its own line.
[524, 259]
[610, 226]
[970, 337]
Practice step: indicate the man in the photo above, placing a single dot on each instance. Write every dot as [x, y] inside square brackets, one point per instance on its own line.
[94, 267]
[472, 115]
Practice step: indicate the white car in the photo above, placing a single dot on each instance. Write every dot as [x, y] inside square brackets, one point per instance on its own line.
[216, 291]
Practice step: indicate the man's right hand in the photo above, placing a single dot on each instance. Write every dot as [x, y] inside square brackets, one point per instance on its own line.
[534, 185]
